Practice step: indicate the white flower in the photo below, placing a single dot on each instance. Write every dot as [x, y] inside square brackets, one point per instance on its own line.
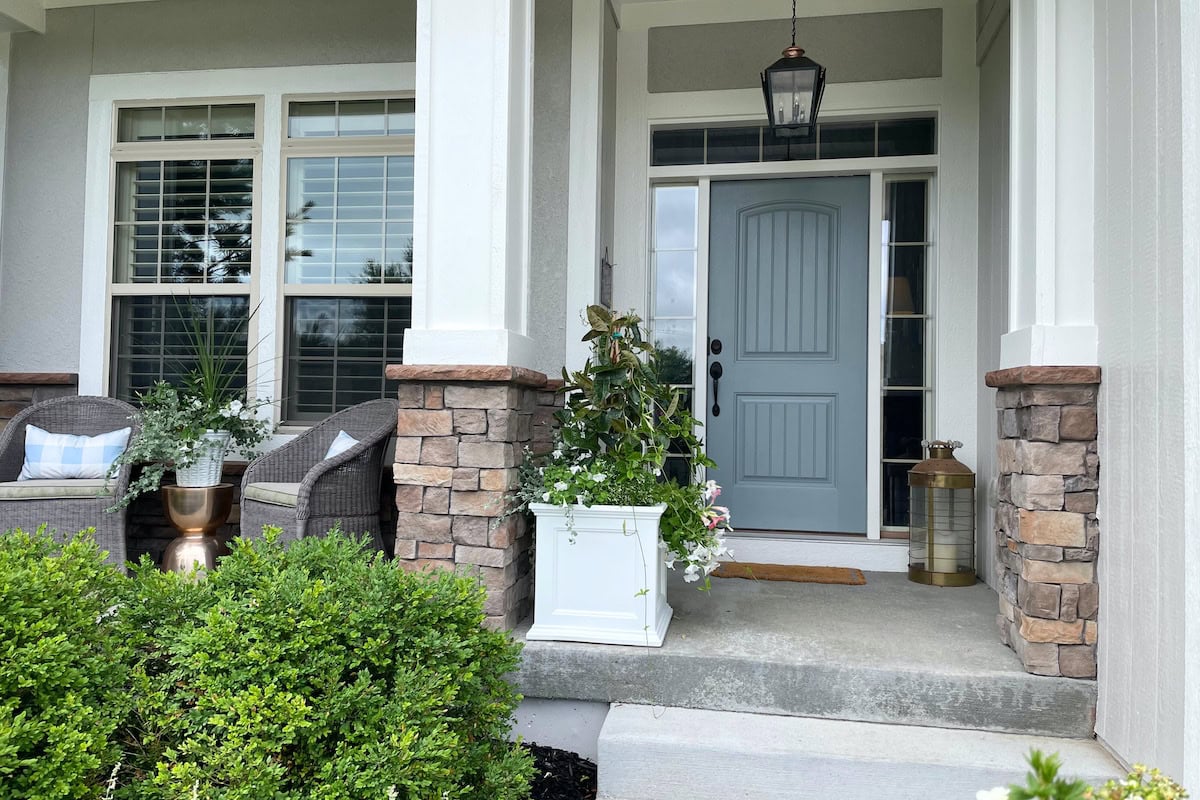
[556, 454]
[599, 477]
[235, 407]
[999, 793]
[576, 469]
[691, 573]
[545, 497]
[561, 486]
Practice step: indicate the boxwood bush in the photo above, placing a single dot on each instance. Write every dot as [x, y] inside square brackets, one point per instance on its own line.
[64, 668]
[316, 672]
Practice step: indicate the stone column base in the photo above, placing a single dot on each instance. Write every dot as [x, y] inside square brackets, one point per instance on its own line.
[1047, 534]
[461, 434]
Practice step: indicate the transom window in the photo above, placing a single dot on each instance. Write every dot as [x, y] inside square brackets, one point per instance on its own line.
[910, 136]
[180, 123]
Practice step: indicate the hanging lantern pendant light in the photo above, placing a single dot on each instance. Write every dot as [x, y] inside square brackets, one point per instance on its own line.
[792, 88]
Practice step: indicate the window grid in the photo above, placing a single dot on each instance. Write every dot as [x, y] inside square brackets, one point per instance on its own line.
[207, 215]
[695, 146]
[142, 283]
[306, 401]
[382, 283]
[905, 306]
[676, 359]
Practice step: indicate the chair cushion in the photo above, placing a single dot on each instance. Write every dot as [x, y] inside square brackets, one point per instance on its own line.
[34, 489]
[65, 456]
[276, 494]
[340, 444]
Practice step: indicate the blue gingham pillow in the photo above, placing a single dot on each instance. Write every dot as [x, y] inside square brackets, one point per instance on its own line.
[62, 456]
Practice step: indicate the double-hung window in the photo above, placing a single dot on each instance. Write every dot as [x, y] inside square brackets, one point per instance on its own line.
[348, 229]
[183, 228]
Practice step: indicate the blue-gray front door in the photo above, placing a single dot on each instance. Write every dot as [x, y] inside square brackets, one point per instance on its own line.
[787, 309]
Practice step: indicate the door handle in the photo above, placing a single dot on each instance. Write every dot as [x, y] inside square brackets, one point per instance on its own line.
[715, 372]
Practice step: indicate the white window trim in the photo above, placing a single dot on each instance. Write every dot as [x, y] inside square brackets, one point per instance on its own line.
[268, 86]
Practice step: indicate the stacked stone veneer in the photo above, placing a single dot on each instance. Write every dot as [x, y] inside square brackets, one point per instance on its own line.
[1047, 534]
[20, 390]
[461, 435]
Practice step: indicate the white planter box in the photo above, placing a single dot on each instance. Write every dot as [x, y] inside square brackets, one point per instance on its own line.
[589, 578]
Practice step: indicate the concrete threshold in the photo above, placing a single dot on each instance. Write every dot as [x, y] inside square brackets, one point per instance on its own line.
[888, 652]
[656, 753]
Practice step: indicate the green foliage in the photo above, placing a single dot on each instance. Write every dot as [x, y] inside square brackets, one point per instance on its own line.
[617, 404]
[172, 423]
[1043, 781]
[174, 418]
[620, 419]
[63, 667]
[319, 672]
[1144, 783]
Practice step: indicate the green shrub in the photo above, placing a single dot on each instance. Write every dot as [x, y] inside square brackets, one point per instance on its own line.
[1044, 782]
[313, 673]
[319, 672]
[63, 667]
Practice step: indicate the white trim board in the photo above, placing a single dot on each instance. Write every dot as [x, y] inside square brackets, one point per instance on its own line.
[271, 84]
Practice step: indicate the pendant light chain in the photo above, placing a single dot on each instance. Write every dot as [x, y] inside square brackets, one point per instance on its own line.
[793, 23]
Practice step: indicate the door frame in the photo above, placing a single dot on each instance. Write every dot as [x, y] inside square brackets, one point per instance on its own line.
[878, 170]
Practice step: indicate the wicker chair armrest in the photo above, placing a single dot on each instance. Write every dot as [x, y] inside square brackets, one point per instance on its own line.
[12, 447]
[342, 484]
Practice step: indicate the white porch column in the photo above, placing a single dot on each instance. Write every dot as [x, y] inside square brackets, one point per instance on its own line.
[1052, 147]
[583, 214]
[472, 183]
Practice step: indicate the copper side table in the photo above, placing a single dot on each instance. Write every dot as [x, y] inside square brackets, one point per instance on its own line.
[196, 512]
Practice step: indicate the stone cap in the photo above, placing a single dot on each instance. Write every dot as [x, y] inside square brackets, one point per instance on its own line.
[40, 378]
[1042, 376]
[467, 373]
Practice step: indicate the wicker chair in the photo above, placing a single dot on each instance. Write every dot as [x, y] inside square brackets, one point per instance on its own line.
[66, 507]
[297, 489]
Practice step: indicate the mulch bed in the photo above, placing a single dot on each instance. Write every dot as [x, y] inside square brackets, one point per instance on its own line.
[561, 775]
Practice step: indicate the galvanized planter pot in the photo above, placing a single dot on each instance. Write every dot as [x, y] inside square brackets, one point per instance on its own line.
[599, 575]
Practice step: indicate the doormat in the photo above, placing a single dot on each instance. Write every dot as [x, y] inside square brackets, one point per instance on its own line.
[797, 574]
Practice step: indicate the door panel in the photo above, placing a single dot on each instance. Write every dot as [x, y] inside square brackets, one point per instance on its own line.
[788, 301]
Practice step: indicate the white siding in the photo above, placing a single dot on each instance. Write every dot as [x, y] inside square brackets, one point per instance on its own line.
[993, 273]
[1146, 307]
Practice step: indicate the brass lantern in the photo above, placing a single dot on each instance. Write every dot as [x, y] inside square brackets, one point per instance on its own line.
[941, 519]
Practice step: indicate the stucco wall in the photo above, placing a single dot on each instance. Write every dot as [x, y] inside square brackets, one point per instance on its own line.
[42, 234]
[551, 152]
[1147, 275]
[888, 45]
[992, 303]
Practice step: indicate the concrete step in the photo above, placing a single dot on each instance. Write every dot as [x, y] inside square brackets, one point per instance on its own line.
[663, 753]
[890, 651]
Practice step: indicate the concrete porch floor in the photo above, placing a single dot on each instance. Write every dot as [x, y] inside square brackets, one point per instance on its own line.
[890, 651]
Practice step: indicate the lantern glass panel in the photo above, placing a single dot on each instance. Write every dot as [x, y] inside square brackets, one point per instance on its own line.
[791, 92]
[942, 530]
